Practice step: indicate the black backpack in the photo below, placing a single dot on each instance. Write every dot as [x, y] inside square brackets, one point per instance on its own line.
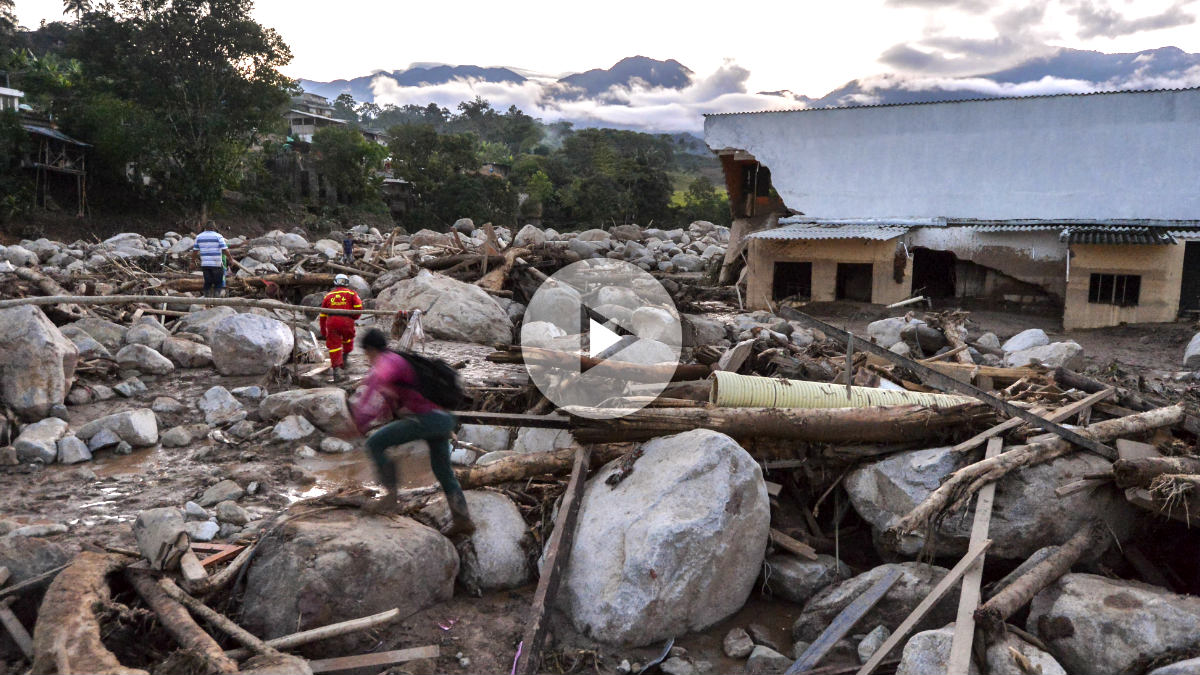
[437, 381]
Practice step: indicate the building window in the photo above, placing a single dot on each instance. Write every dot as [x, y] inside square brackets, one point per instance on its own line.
[1122, 290]
[792, 280]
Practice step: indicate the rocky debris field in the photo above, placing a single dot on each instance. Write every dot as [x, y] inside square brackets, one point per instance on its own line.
[781, 502]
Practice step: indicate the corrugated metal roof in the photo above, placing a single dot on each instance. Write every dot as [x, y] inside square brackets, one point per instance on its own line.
[958, 100]
[1116, 236]
[52, 133]
[881, 222]
[1185, 235]
[1015, 227]
[803, 231]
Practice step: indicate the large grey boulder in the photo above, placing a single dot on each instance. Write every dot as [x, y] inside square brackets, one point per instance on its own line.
[325, 407]
[202, 322]
[38, 442]
[530, 439]
[540, 334]
[1188, 667]
[1026, 339]
[249, 344]
[138, 428]
[220, 407]
[19, 255]
[501, 541]
[1191, 355]
[1002, 661]
[560, 306]
[89, 348]
[1099, 626]
[886, 332]
[71, 450]
[916, 581]
[673, 548]
[143, 359]
[37, 364]
[187, 354]
[486, 437]
[655, 323]
[530, 235]
[928, 653]
[292, 428]
[147, 332]
[797, 580]
[451, 309]
[1055, 355]
[107, 333]
[886, 490]
[342, 565]
[700, 331]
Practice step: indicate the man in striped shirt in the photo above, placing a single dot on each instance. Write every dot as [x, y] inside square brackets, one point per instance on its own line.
[210, 249]
[338, 329]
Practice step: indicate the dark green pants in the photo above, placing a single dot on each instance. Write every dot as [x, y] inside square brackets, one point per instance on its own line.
[432, 427]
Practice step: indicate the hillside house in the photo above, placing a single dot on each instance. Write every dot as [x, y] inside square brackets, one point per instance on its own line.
[308, 113]
[1084, 204]
[10, 99]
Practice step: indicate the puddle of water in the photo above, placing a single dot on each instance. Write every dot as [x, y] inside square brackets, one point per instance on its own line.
[137, 462]
[356, 468]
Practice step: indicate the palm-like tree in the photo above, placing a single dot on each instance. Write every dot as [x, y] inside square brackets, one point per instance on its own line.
[77, 7]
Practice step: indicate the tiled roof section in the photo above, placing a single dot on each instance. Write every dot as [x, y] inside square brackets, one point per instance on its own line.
[1116, 235]
[957, 100]
[803, 231]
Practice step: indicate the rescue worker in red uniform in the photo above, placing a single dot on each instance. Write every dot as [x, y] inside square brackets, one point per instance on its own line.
[338, 329]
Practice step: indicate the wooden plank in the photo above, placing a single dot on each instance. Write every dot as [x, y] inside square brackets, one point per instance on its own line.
[773, 489]
[793, 546]
[1059, 415]
[322, 633]
[558, 553]
[843, 623]
[374, 660]
[1127, 449]
[229, 553]
[968, 599]
[4, 575]
[943, 586]
[950, 385]
[1078, 486]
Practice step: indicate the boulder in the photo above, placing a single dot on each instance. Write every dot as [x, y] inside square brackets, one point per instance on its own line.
[107, 333]
[674, 548]
[886, 332]
[1188, 667]
[686, 262]
[226, 490]
[19, 255]
[37, 364]
[203, 321]
[594, 234]
[38, 442]
[797, 580]
[872, 642]
[451, 309]
[916, 581]
[335, 446]
[105, 438]
[1055, 355]
[501, 538]
[147, 332]
[560, 306]
[88, 346]
[324, 407]
[202, 530]
[1094, 625]
[737, 644]
[621, 296]
[143, 359]
[328, 248]
[26, 558]
[529, 235]
[654, 323]
[1026, 339]
[928, 653]
[587, 249]
[293, 428]
[430, 238]
[249, 344]
[540, 334]
[530, 440]
[220, 407]
[989, 340]
[342, 565]
[929, 339]
[486, 437]
[1001, 659]
[177, 437]
[230, 512]
[700, 331]
[138, 428]
[765, 660]
[71, 450]
[187, 354]
[884, 491]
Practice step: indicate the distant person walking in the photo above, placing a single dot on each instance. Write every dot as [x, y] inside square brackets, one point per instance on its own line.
[338, 329]
[394, 386]
[348, 249]
[210, 249]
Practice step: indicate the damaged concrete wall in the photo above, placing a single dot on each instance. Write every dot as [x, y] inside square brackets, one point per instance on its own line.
[1124, 155]
[1161, 272]
[1034, 257]
[825, 255]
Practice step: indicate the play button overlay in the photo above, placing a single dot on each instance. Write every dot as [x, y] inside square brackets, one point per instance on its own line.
[602, 336]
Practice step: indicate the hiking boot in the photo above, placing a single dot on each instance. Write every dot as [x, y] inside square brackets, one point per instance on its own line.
[460, 517]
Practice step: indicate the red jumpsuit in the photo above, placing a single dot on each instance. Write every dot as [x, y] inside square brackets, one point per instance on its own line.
[339, 328]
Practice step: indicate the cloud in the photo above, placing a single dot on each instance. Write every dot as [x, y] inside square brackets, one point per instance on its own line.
[971, 6]
[637, 106]
[1098, 19]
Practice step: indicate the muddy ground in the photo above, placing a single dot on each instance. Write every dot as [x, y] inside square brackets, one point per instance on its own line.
[98, 500]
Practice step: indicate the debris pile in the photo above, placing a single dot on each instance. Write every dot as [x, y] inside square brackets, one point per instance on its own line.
[916, 496]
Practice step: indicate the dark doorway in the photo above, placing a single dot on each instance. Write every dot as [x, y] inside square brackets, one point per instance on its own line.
[854, 282]
[933, 273]
[1189, 293]
[792, 279]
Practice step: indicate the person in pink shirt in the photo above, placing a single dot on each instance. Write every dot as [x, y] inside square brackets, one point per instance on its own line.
[391, 389]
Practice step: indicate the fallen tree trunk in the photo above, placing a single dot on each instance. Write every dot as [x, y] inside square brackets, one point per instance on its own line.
[369, 276]
[957, 490]
[51, 287]
[310, 279]
[888, 424]
[1142, 472]
[1069, 379]
[322, 633]
[494, 279]
[66, 638]
[175, 618]
[216, 618]
[452, 260]
[950, 324]
[992, 614]
[522, 467]
[1000, 376]
[632, 372]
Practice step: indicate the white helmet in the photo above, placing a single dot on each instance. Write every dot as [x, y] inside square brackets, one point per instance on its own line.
[341, 280]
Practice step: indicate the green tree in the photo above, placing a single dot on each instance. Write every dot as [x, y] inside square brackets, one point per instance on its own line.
[8, 16]
[77, 7]
[345, 107]
[205, 69]
[349, 162]
[494, 153]
[703, 201]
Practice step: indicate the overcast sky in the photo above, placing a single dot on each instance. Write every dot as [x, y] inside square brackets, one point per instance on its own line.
[806, 46]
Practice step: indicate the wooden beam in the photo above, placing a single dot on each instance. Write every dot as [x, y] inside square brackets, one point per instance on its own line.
[558, 554]
[793, 546]
[949, 384]
[922, 609]
[322, 633]
[968, 599]
[843, 623]
[1063, 413]
[374, 660]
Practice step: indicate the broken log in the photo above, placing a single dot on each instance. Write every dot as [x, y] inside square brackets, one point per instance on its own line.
[310, 279]
[888, 424]
[558, 554]
[999, 375]
[175, 618]
[624, 370]
[469, 258]
[51, 288]
[322, 633]
[215, 618]
[1143, 472]
[376, 660]
[369, 276]
[950, 324]
[793, 546]
[1059, 415]
[991, 616]
[956, 490]
[66, 638]
[495, 278]
[522, 467]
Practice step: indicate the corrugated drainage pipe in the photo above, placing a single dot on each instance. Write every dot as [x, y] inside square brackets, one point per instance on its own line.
[730, 390]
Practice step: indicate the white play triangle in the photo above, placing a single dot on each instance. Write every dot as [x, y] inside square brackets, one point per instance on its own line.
[600, 338]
